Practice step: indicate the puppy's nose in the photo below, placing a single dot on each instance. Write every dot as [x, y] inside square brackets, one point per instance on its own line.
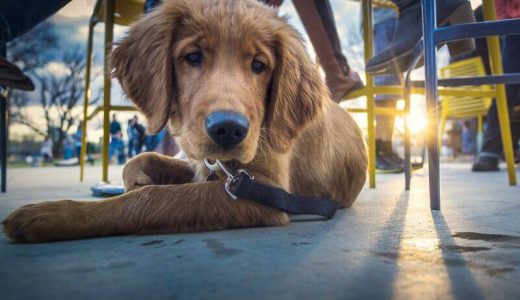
[226, 128]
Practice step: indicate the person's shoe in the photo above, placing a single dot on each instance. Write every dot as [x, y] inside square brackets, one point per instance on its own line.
[340, 87]
[385, 165]
[417, 165]
[392, 156]
[398, 56]
[485, 164]
[387, 161]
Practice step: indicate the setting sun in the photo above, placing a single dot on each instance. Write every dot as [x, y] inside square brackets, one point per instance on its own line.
[416, 119]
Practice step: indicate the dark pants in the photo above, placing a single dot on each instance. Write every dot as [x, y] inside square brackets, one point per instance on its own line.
[492, 145]
[383, 36]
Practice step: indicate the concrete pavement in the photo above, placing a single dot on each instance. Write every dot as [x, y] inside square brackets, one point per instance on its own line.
[388, 245]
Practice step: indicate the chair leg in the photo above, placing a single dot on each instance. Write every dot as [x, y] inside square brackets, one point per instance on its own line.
[368, 42]
[501, 99]
[480, 131]
[418, 54]
[407, 144]
[86, 101]
[429, 25]
[3, 141]
[109, 31]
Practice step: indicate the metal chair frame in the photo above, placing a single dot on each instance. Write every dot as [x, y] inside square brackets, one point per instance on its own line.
[435, 87]
[433, 37]
[105, 10]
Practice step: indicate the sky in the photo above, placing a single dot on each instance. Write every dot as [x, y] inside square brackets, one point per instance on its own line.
[71, 25]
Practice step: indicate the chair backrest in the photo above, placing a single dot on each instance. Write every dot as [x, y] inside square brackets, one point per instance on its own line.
[385, 4]
[462, 107]
[126, 11]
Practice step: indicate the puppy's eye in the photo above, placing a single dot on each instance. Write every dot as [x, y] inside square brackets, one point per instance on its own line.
[194, 58]
[257, 66]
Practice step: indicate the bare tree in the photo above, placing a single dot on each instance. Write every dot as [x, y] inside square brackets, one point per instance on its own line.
[28, 52]
[58, 95]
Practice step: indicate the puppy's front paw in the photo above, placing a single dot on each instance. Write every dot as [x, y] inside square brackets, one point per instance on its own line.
[43, 222]
[276, 219]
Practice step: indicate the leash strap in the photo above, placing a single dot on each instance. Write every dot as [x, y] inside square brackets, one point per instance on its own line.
[272, 196]
[242, 184]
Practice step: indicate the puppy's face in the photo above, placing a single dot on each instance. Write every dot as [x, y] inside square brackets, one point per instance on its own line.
[230, 76]
[223, 81]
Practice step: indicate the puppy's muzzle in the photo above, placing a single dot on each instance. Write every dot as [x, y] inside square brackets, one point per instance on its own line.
[226, 128]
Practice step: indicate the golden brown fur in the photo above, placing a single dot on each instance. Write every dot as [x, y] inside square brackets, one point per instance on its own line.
[298, 138]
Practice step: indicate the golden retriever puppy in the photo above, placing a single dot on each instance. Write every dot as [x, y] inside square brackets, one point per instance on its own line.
[234, 82]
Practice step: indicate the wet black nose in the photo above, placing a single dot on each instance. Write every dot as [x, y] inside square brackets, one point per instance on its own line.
[226, 128]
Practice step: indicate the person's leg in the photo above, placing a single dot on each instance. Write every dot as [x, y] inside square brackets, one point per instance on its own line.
[318, 19]
[138, 146]
[385, 123]
[121, 151]
[386, 159]
[77, 150]
[511, 52]
[383, 34]
[111, 149]
[398, 56]
[129, 145]
[492, 145]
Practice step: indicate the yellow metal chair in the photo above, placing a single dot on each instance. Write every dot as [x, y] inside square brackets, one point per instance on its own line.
[121, 12]
[453, 107]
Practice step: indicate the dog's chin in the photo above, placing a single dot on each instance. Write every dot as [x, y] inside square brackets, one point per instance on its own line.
[238, 153]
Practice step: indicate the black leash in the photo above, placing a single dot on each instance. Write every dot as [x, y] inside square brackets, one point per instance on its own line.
[242, 184]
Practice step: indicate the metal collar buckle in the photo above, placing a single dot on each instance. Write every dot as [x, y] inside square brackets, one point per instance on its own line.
[231, 180]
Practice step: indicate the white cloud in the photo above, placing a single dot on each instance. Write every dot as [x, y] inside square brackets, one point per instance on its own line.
[57, 68]
[77, 8]
[475, 3]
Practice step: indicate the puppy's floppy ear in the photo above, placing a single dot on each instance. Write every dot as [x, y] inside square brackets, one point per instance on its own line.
[142, 62]
[297, 91]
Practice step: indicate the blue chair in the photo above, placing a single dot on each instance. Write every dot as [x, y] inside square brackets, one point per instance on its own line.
[434, 36]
